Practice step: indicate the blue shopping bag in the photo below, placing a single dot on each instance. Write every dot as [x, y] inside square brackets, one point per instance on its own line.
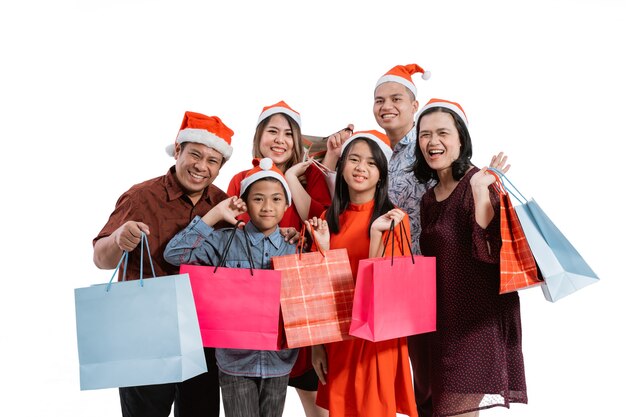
[563, 269]
[139, 332]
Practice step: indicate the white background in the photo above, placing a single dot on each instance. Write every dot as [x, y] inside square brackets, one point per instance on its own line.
[92, 91]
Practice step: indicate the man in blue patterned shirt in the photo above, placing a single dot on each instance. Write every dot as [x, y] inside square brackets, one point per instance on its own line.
[395, 106]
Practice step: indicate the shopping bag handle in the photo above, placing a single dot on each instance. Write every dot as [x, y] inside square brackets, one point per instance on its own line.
[301, 241]
[403, 235]
[222, 260]
[124, 258]
[507, 186]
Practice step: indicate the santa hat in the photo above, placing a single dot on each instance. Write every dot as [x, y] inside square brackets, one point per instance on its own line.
[207, 130]
[264, 168]
[450, 105]
[280, 107]
[380, 139]
[402, 74]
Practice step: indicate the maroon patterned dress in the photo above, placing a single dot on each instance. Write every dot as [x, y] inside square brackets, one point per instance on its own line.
[477, 359]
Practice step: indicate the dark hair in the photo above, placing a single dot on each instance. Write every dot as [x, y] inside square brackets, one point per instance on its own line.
[244, 196]
[341, 198]
[420, 168]
[296, 154]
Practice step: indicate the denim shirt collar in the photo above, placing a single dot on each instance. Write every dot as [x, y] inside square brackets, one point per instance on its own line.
[256, 236]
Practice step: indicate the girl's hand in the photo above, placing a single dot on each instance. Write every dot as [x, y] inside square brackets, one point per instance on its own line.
[319, 229]
[383, 223]
[320, 362]
[333, 146]
[499, 162]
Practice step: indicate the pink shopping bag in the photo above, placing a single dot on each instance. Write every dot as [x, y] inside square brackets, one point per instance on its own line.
[394, 297]
[237, 308]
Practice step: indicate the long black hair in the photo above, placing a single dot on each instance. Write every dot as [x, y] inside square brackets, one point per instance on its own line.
[341, 198]
[420, 168]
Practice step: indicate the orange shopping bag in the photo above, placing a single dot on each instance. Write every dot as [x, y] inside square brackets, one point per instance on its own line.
[316, 296]
[518, 269]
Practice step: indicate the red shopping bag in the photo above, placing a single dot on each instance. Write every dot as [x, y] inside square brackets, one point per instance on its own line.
[518, 269]
[237, 308]
[316, 296]
[394, 296]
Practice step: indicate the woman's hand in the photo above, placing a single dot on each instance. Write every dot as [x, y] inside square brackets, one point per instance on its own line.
[499, 162]
[319, 229]
[297, 171]
[320, 362]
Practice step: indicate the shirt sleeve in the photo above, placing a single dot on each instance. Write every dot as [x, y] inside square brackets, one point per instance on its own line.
[198, 243]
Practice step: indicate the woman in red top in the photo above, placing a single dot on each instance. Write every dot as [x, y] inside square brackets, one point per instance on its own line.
[278, 136]
[359, 377]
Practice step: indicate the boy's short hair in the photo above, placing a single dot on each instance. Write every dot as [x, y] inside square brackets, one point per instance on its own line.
[246, 193]
[264, 168]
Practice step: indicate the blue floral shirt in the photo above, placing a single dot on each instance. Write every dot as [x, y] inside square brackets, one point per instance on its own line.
[201, 244]
[404, 190]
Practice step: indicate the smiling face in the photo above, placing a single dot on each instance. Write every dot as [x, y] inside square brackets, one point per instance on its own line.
[439, 140]
[197, 166]
[276, 141]
[394, 110]
[267, 203]
[360, 172]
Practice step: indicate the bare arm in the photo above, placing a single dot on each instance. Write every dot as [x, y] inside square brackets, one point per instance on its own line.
[299, 196]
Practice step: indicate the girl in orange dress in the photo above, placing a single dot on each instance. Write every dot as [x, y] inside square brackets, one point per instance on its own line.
[359, 377]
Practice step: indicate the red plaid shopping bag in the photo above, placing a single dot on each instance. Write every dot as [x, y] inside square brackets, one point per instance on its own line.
[316, 296]
[518, 269]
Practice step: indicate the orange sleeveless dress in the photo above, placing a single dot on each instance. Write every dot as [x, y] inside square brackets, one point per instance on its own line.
[366, 379]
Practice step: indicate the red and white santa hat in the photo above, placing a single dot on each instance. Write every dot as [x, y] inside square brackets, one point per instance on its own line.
[207, 130]
[402, 74]
[280, 107]
[264, 168]
[379, 138]
[450, 105]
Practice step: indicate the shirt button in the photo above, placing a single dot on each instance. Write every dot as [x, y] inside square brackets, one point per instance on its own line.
[267, 254]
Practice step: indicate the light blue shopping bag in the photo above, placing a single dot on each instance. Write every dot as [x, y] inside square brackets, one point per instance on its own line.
[139, 332]
[563, 269]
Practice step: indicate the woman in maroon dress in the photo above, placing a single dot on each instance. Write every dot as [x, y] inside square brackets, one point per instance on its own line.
[476, 352]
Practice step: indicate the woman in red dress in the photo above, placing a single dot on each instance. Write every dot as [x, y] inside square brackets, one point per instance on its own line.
[359, 377]
[278, 137]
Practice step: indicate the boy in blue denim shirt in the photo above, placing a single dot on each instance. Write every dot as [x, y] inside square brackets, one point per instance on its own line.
[253, 382]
